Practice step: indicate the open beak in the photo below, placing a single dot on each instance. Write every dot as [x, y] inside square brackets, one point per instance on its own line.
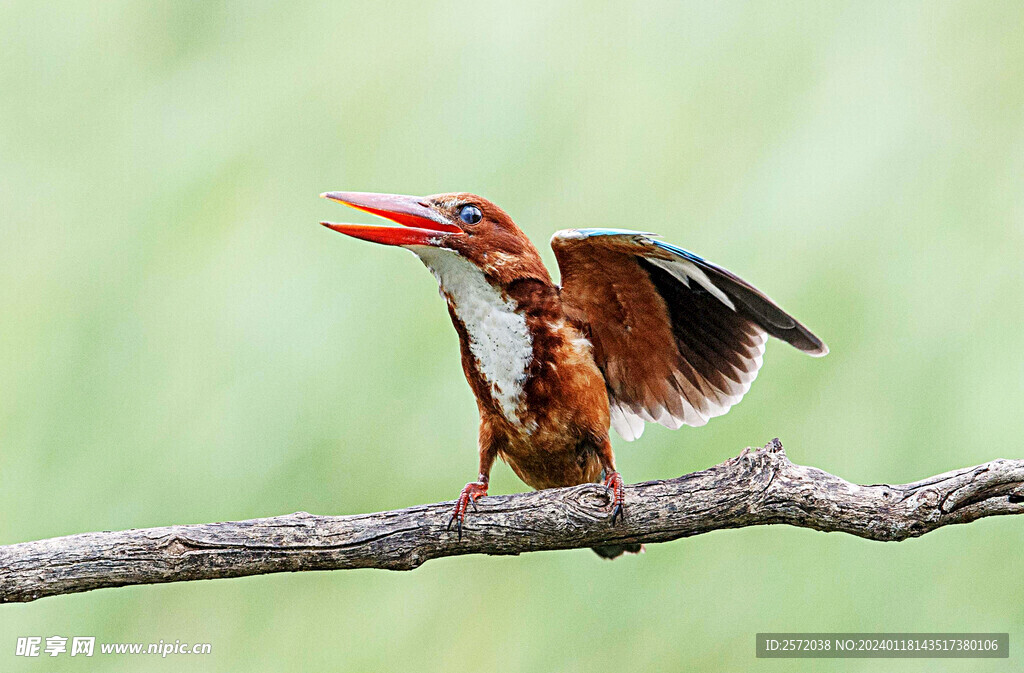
[421, 224]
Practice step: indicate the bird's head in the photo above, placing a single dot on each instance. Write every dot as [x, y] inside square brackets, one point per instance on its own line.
[461, 224]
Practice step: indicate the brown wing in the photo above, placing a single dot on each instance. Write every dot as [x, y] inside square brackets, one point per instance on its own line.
[679, 339]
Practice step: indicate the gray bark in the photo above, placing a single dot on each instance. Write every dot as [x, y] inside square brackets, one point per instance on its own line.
[757, 487]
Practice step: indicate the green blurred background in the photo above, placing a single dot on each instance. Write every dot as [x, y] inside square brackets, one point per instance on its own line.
[180, 341]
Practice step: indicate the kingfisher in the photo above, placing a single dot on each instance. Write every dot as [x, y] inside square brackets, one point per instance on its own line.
[638, 331]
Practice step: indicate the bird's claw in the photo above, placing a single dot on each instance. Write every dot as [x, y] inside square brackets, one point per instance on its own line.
[614, 483]
[472, 491]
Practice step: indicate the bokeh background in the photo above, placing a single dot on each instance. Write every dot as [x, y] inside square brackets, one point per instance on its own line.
[180, 341]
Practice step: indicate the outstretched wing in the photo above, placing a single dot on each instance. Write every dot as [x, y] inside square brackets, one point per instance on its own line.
[679, 339]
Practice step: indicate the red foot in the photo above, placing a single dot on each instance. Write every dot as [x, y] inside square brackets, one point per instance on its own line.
[614, 482]
[472, 491]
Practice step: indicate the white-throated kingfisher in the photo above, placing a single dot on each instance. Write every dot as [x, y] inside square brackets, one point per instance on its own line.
[638, 331]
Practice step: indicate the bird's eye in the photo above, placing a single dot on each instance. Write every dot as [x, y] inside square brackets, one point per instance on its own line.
[470, 214]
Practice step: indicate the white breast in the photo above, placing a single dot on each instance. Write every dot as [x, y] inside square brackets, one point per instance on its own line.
[498, 337]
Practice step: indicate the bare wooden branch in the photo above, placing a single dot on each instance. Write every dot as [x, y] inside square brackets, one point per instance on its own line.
[756, 488]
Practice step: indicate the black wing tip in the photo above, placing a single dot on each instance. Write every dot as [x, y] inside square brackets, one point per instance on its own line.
[819, 352]
[803, 340]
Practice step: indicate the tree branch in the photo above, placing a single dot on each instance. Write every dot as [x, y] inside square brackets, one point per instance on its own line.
[755, 488]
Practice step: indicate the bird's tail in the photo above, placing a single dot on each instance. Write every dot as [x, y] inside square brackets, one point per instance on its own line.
[612, 551]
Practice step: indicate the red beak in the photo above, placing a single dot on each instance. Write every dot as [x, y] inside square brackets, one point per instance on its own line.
[421, 224]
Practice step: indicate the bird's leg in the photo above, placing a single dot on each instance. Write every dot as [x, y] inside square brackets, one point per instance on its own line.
[613, 481]
[474, 489]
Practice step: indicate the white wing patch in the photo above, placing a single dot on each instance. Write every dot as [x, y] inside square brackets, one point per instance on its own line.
[498, 336]
[684, 270]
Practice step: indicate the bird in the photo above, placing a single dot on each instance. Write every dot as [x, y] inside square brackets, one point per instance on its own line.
[637, 331]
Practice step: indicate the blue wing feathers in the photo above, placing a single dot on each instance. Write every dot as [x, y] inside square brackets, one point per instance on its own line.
[587, 233]
[668, 247]
[676, 250]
